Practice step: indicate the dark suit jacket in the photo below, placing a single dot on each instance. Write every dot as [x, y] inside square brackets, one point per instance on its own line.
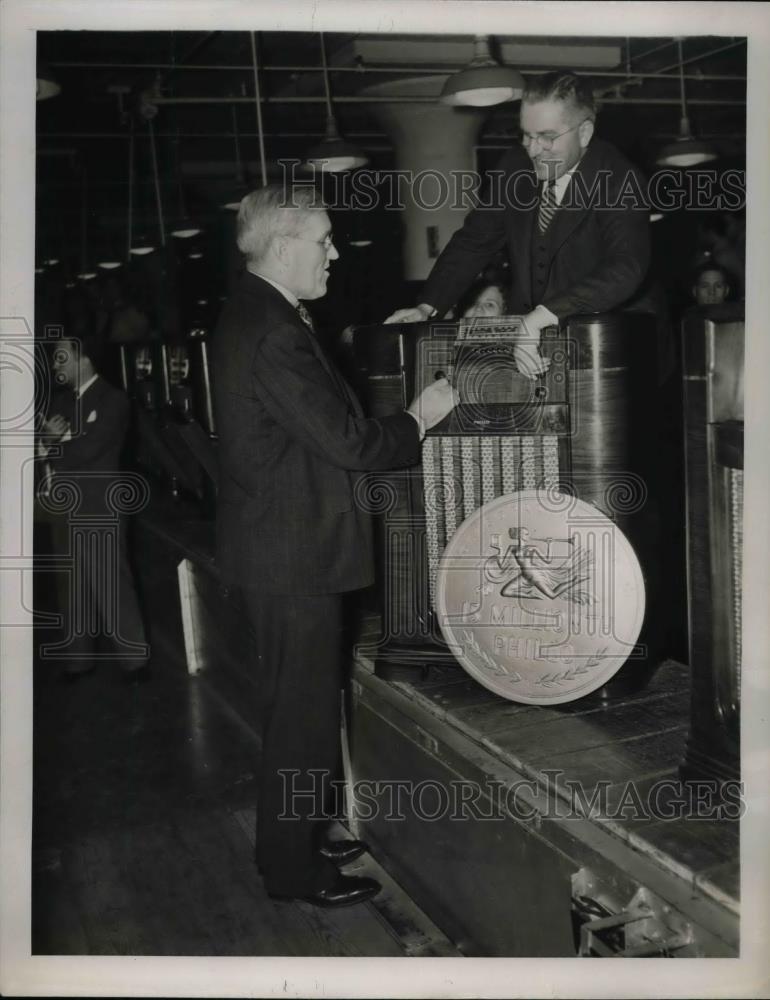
[292, 437]
[92, 458]
[598, 256]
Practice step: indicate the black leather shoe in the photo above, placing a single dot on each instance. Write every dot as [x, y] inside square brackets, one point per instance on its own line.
[346, 891]
[341, 852]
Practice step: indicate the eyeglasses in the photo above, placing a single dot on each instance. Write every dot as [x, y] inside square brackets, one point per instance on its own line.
[326, 242]
[545, 139]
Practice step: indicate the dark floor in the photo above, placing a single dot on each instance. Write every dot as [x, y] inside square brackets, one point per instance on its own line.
[143, 824]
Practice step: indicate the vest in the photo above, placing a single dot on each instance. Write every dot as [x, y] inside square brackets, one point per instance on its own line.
[540, 259]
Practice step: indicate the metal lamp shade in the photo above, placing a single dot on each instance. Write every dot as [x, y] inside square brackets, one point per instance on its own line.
[686, 152]
[334, 153]
[47, 84]
[482, 86]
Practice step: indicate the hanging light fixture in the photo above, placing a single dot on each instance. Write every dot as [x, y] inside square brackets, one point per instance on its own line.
[183, 227]
[47, 84]
[85, 272]
[239, 190]
[106, 257]
[484, 81]
[139, 242]
[333, 153]
[142, 244]
[685, 151]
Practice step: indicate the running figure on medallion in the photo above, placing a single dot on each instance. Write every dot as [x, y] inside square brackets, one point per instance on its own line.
[534, 575]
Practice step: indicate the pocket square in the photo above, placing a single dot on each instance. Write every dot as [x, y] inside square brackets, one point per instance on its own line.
[91, 417]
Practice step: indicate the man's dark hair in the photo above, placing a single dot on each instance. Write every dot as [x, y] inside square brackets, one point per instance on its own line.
[562, 85]
[94, 349]
[90, 346]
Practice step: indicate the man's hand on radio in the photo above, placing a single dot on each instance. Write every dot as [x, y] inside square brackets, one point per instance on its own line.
[526, 352]
[434, 403]
[417, 314]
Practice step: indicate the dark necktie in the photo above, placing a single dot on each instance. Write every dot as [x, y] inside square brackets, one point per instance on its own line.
[548, 207]
[305, 316]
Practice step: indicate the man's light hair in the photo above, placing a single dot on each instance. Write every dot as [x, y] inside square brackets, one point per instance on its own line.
[564, 86]
[274, 211]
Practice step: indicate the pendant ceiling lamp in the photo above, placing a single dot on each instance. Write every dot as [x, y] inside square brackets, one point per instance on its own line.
[85, 272]
[139, 242]
[239, 190]
[183, 226]
[333, 153]
[47, 84]
[483, 82]
[685, 151]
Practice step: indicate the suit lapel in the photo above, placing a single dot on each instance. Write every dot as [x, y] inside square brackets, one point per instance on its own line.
[260, 287]
[334, 373]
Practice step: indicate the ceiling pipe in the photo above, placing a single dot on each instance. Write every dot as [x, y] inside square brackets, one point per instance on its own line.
[411, 100]
[412, 70]
[698, 57]
[663, 74]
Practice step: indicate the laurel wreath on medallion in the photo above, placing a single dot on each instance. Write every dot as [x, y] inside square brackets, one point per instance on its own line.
[486, 659]
[548, 680]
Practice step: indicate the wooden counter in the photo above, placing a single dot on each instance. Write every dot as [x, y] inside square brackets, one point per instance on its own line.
[524, 884]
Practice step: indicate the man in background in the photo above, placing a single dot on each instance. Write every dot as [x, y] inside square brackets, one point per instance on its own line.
[79, 451]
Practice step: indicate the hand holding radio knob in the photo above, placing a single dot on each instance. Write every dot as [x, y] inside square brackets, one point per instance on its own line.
[434, 403]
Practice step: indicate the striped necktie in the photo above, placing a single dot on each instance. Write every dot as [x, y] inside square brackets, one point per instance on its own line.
[548, 206]
[305, 316]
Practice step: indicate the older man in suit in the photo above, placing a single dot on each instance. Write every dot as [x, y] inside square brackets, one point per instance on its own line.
[290, 532]
[569, 208]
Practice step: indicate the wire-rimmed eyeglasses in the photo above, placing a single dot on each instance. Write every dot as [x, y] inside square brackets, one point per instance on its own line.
[326, 242]
[547, 139]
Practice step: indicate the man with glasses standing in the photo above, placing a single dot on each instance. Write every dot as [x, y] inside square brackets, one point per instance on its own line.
[291, 533]
[568, 212]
